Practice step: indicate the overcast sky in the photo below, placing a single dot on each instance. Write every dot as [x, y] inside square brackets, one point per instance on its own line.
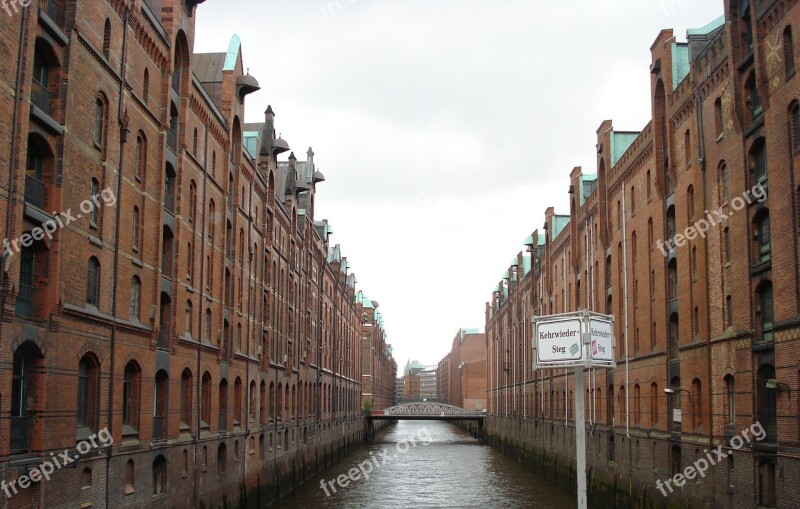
[445, 128]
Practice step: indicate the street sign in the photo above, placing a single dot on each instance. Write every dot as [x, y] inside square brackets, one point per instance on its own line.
[559, 340]
[580, 338]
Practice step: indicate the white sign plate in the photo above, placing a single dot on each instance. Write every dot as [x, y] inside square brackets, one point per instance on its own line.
[602, 339]
[559, 341]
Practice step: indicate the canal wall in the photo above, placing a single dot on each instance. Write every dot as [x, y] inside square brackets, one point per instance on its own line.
[622, 470]
[277, 466]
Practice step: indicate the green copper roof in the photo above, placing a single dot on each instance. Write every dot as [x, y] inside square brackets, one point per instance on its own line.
[680, 63]
[526, 264]
[708, 28]
[588, 183]
[529, 240]
[233, 53]
[250, 142]
[559, 223]
[620, 142]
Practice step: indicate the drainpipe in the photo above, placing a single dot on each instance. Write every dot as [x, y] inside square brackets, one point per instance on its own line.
[12, 160]
[625, 301]
[200, 309]
[249, 304]
[702, 161]
[123, 138]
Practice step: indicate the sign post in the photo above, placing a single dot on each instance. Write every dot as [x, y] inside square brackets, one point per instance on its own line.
[579, 340]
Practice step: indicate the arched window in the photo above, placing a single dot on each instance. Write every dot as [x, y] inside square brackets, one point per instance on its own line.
[88, 393]
[718, 125]
[728, 311]
[167, 252]
[674, 339]
[94, 212]
[223, 404]
[730, 399]
[131, 390]
[723, 182]
[159, 475]
[764, 309]
[253, 401]
[160, 405]
[212, 220]
[237, 402]
[672, 279]
[690, 203]
[687, 148]
[169, 189]
[187, 324]
[753, 99]
[99, 122]
[697, 403]
[146, 85]
[172, 130]
[93, 282]
[136, 298]
[766, 403]
[192, 200]
[107, 38]
[186, 400]
[129, 477]
[788, 52]
[86, 478]
[758, 161]
[135, 229]
[222, 459]
[205, 401]
[263, 403]
[194, 142]
[140, 165]
[208, 325]
[726, 244]
[796, 127]
[637, 405]
[763, 238]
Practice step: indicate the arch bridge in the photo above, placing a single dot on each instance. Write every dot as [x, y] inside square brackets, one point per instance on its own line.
[425, 411]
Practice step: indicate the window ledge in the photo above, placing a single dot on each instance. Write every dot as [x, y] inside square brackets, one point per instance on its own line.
[129, 490]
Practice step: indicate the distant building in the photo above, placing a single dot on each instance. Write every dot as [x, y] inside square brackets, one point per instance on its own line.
[427, 383]
[398, 389]
[462, 372]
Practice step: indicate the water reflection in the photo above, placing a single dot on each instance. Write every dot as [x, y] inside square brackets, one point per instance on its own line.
[428, 464]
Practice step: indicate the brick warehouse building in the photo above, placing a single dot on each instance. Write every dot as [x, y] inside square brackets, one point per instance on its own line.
[222, 347]
[461, 374]
[714, 319]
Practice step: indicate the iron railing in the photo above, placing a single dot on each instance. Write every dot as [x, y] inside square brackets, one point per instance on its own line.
[34, 191]
[40, 96]
[20, 434]
[172, 138]
[159, 428]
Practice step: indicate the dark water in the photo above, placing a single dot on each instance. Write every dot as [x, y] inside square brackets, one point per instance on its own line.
[429, 464]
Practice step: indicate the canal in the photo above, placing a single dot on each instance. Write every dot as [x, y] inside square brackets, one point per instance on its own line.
[428, 464]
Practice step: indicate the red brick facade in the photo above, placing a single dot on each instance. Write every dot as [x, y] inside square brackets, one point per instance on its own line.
[461, 374]
[202, 315]
[714, 318]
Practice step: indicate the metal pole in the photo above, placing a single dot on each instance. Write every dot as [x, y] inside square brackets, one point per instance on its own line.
[580, 437]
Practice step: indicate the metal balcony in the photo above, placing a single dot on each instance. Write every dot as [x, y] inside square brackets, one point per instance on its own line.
[34, 192]
[40, 96]
[159, 428]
